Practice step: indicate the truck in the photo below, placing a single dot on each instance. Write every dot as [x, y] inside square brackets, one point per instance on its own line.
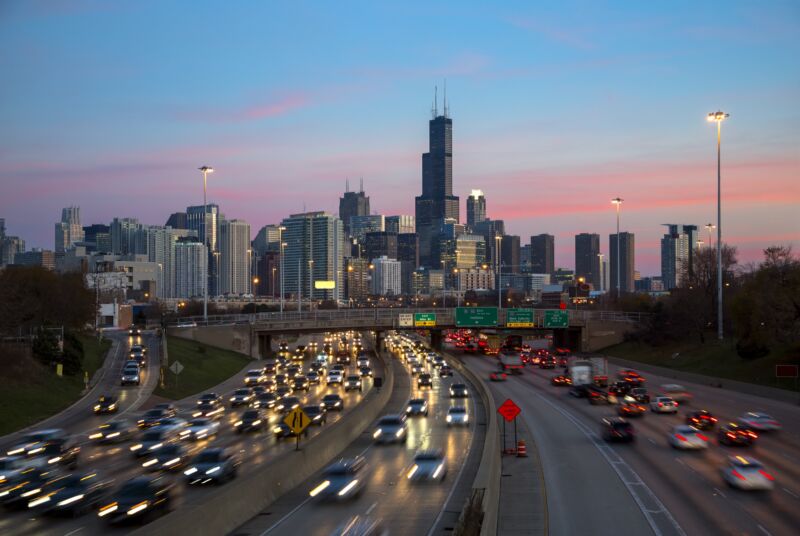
[586, 371]
[599, 371]
[510, 361]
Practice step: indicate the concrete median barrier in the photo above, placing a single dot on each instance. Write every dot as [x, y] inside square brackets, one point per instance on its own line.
[226, 508]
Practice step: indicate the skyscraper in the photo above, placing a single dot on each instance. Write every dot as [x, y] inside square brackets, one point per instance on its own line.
[543, 254]
[587, 262]
[177, 220]
[408, 255]
[677, 253]
[509, 255]
[380, 244]
[386, 277]
[437, 202]
[267, 239]
[476, 208]
[123, 235]
[235, 258]
[205, 221]
[369, 223]
[352, 204]
[314, 252]
[401, 224]
[97, 238]
[68, 231]
[626, 261]
[191, 257]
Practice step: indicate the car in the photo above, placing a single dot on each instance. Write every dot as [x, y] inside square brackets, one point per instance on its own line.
[417, 368]
[169, 409]
[445, 371]
[152, 440]
[138, 349]
[457, 415]
[676, 392]
[254, 377]
[252, 420]
[138, 498]
[498, 376]
[115, 431]
[212, 465]
[747, 473]
[428, 466]
[300, 383]
[152, 417]
[618, 391]
[209, 408]
[264, 401]
[316, 414]
[342, 480]
[632, 377]
[390, 429]
[134, 331]
[663, 404]
[362, 361]
[10, 468]
[459, 390]
[281, 430]
[424, 380]
[130, 375]
[270, 367]
[62, 451]
[579, 391]
[702, 419]
[338, 367]
[365, 372]
[293, 371]
[616, 429]
[105, 404]
[760, 421]
[596, 395]
[172, 457]
[198, 429]
[281, 380]
[299, 352]
[27, 486]
[561, 381]
[332, 402]
[687, 438]
[631, 409]
[733, 434]
[548, 363]
[72, 494]
[210, 397]
[283, 391]
[417, 406]
[335, 377]
[353, 382]
[241, 397]
[638, 394]
[287, 404]
[318, 368]
[312, 377]
[34, 442]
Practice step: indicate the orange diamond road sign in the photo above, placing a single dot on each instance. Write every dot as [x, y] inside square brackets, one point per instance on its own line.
[509, 410]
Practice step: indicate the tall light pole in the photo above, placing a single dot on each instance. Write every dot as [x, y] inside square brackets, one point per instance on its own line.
[281, 243]
[718, 117]
[710, 227]
[618, 202]
[205, 170]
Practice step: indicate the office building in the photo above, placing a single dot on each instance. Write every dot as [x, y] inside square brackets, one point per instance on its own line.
[352, 204]
[358, 279]
[491, 230]
[178, 220]
[10, 246]
[476, 208]
[370, 223]
[475, 279]
[123, 235]
[267, 239]
[205, 220]
[605, 275]
[408, 255]
[509, 255]
[402, 224]
[543, 254]
[562, 275]
[314, 252]
[677, 253]
[624, 260]
[235, 258]
[470, 251]
[36, 257]
[380, 244]
[268, 272]
[587, 260]
[97, 238]
[191, 264]
[68, 231]
[386, 277]
[525, 258]
[445, 243]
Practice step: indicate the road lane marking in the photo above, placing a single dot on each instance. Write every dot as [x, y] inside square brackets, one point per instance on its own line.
[370, 509]
[765, 531]
[70, 533]
[287, 516]
[719, 491]
[790, 492]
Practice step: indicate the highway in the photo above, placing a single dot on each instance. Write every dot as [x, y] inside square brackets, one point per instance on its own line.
[402, 507]
[648, 487]
[117, 462]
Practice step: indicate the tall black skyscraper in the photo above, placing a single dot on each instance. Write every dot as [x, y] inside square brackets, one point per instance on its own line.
[352, 204]
[509, 255]
[587, 262]
[476, 208]
[626, 261]
[437, 202]
[543, 254]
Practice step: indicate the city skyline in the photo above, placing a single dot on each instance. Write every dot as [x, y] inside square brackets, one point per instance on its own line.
[130, 148]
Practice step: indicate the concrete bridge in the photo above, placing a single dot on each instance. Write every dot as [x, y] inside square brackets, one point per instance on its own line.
[251, 334]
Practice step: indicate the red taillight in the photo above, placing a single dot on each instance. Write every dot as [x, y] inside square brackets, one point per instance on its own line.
[676, 404]
[766, 474]
[701, 436]
[660, 404]
[731, 435]
[680, 437]
[753, 435]
[738, 475]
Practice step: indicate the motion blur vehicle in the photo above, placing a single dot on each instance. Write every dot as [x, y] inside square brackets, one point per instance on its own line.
[252, 420]
[318, 368]
[702, 420]
[62, 451]
[152, 417]
[241, 397]
[342, 480]
[34, 442]
[631, 376]
[579, 391]
[283, 391]
[630, 409]
[200, 429]
[299, 352]
[270, 367]
[417, 406]
[130, 375]
[209, 397]
[424, 380]
[390, 429]
[663, 404]
[445, 371]
[596, 395]
[281, 380]
[428, 466]
[287, 404]
[363, 361]
[459, 390]
[292, 371]
[18, 492]
[457, 416]
[212, 465]
[335, 377]
[760, 421]
[498, 376]
[676, 392]
[312, 377]
[688, 438]
[733, 434]
[617, 429]
[73, 494]
[300, 383]
[170, 457]
[265, 401]
[638, 394]
[365, 372]
[283, 347]
[417, 368]
[138, 498]
[209, 407]
[282, 431]
[747, 473]
[10, 468]
[152, 440]
[561, 380]
[105, 404]
[254, 377]
[316, 414]
[169, 409]
[332, 402]
[618, 391]
[115, 431]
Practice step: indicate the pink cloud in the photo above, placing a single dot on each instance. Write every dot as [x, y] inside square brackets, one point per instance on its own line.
[263, 109]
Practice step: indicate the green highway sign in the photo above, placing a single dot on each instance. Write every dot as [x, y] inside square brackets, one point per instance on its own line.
[519, 318]
[472, 317]
[424, 320]
[556, 318]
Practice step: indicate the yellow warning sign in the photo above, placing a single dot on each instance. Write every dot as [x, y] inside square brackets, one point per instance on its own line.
[297, 420]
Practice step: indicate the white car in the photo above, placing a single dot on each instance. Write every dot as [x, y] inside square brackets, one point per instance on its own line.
[760, 421]
[663, 404]
[363, 361]
[353, 382]
[335, 376]
[130, 376]
[747, 473]
[254, 377]
[676, 392]
[457, 415]
[687, 437]
[200, 429]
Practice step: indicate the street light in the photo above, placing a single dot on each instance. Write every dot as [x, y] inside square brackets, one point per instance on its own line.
[718, 117]
[602, 272]
[281, 244]
[457, 272]
[618, 202]
[205, 170]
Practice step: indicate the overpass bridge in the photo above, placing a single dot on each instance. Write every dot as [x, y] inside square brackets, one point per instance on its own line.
[251, 334]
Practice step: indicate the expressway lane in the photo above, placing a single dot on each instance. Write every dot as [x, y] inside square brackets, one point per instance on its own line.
[401, 506]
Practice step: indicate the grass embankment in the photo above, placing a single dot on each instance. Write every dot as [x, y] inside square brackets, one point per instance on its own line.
[31, 392]
[203, 367]
[713, 359]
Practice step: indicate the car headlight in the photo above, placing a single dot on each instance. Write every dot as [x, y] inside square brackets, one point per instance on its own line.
[136, 447]
[138, 508]
[317, 490]
[109, 508]
[399, 432]
[408, 409]
[97, 407]
[277, 430]
[377, 433]
[345, 490]
[237, 423]
[412, 471]
[449, 418]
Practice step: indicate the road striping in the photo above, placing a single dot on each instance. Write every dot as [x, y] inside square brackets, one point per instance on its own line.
[287, 516]
[70, 533]
[719, 491]
[370, 509]
[790, 492]
[765, 531]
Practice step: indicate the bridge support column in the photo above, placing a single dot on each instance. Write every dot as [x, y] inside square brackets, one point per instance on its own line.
[436, 339]
[568, 338]
[264, 345]
[379, 341]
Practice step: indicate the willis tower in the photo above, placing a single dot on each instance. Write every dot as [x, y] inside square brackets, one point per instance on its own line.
[437, 204]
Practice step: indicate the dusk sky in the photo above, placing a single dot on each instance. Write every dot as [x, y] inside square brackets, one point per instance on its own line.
[556, 109]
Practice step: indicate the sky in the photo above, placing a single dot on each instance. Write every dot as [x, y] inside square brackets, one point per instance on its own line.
[557, 107]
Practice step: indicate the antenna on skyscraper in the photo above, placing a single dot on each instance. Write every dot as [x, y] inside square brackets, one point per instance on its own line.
[435, 101]
[362, 185]
[346, 184]
[445, 97]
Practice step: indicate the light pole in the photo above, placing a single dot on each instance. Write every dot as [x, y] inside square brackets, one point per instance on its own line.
[457, 273]
[710, 227]
[205, 170]
[602, 272]
[281, 245]
[718, 117]
[618, 202]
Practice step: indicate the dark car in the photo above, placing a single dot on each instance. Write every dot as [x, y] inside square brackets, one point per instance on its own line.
[265, 401]
[316, 414]
[596, 395]
[445, 371]
[281, 430]
[72, 495]
[113, 432]
[251, 420]
[134, 331]
[63, 451]
[702, 420]
[417, 406]
[211, 409]
[638, 394]
[26, 487]
[458, 390]
[105, 404]
[631, 409]
[735, 434]
[169, 409]
[212, 465]
[300, 383]
[269, 367]
[616, 429]
[152, 418]
[424, 380]
[341, 480]
[333, 402]
[619, 389]
[170, 457]
[138, 498]
[281, 380]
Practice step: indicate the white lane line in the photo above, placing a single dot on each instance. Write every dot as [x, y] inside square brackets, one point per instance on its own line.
[370, 509]
[70, 533]
[651, 440]
[790, 492]
[719, 491]
[765, 531]
[287, 516]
